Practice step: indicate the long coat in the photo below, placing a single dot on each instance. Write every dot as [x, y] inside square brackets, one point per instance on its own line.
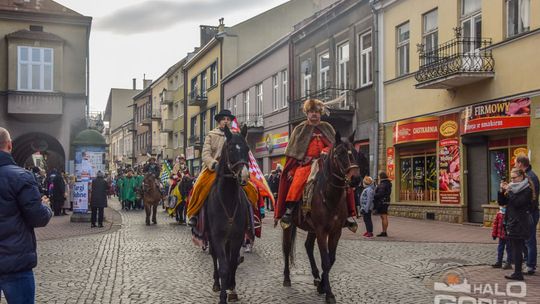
[517, 218]
[99, 193]
[128, 187]
[213, 144]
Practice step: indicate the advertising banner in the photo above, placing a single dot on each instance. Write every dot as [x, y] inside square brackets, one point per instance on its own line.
[418, 129]
[80, 197]
[88, 161]
[449, 160]
[497, 115]
[390, 163]
[272, 141]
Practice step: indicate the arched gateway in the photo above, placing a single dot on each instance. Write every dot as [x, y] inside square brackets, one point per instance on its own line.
[29, 144]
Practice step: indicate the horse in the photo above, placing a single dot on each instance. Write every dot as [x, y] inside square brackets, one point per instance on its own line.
[328, 214]
[151, 197]
[227, 213]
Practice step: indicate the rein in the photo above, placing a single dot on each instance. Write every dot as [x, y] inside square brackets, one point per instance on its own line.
[343, 171]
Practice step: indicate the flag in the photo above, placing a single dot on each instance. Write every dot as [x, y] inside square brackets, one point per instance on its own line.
[165, 172]
[255, 173]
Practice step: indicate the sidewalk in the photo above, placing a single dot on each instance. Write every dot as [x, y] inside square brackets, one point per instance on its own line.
[61, 227]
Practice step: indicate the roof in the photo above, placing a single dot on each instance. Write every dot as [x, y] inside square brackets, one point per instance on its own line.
[37, 6]
[89, 137]
[315, 20]
[35, 35]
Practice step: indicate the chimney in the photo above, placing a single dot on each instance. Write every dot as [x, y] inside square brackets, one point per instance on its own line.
[221, 26]
[146, 83]
[134, 83]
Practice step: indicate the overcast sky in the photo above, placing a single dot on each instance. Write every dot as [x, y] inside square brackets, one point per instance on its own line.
[131, 38]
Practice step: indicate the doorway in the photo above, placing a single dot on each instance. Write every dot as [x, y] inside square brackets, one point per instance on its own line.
[477, 179]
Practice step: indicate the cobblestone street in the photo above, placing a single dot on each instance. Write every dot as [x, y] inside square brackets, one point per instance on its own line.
[159, 264]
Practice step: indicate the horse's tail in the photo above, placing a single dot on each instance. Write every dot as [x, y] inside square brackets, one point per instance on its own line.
[293, 244]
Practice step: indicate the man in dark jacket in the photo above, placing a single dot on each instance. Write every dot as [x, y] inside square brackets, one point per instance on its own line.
[523, 163]
[58, 192]
[98, 199]
[381, 201]
[21, 210]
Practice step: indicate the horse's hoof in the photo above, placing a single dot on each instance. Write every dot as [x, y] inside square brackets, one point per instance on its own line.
[154, 222]
[320, 289]
[232, 297]
[287, 283]
[330, 299]
[216, 288]
[317, 282]
[147, 223]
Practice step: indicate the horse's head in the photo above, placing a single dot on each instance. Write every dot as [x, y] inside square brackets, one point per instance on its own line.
[149, 181]
[344, 158]
[236, 155]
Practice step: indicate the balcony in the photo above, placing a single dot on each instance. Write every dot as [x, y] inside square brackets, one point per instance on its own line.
[340, 103]
[168, 97]
[167, 125]
[458, 62]
[152, 150]
[168, 153]
[147, 120]
[34, 103]
[156, 114]
[195, 140]
[197, 100]
[254, 122]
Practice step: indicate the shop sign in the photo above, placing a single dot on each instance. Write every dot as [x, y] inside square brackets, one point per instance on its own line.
[190, 153]
[390, 163]
[497, 115]
[418, 129]
[272, 142]
[449, 160]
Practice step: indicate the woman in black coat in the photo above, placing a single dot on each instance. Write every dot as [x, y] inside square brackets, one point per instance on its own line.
[517, 196]
[58, 192]
[381, 201]
[98, 199]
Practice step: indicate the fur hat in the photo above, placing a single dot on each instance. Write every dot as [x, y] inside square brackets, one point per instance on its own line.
[314, 105]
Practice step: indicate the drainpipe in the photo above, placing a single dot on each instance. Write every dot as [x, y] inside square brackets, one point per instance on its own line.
[87, 71]
[378, 88]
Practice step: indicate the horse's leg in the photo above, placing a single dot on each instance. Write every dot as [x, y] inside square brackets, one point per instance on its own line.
[322, 241]
[310, 246]
[216, 286]
[233, 262]
[154, 212]
[223, 273]
[286, 245]
[147, 211]
[333, 240]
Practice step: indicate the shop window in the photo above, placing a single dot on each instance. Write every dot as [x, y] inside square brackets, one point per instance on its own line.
[502, 158]
[418, 176]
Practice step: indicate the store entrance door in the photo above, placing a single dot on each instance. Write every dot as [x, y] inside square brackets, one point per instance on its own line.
[477, 180]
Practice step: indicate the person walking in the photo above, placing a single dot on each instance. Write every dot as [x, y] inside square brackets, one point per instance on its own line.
[128, 190]
[381, 201]
[517, 196]
[58, 192]
[523, 163]
[498, 232]
[366, 205]
[98, 199]
[21, 210]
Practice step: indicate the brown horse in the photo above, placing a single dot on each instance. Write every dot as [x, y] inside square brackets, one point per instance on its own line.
[328, 214]
[151, 197]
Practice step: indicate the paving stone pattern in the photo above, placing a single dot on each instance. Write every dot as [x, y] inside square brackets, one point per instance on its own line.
[159, 264]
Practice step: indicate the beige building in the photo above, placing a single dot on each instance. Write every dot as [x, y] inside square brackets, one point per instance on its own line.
[119, 114]
[459, 100]
[146, 117]
[43, 78]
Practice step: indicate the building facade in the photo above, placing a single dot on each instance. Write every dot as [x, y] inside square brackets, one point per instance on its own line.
[459, 101]
[43, 78]
[332, 60]
[146, 117]
[257, 93]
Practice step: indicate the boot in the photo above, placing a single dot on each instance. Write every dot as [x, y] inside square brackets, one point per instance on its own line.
[286, 219]
[351, 224]
[193, 221]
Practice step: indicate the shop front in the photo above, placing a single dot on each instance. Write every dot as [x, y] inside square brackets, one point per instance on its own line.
[271, 149]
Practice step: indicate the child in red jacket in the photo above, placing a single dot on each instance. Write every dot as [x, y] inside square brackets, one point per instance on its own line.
[499, 232]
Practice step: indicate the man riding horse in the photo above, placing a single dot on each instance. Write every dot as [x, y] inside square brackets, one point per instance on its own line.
[310, 140]
[213, 144]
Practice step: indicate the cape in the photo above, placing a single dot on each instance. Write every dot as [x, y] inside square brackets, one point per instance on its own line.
[301, 137]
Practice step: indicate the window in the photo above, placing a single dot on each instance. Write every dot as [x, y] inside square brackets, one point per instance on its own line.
[343, 60]
[324, 70]
[469, 7]
[203, 84]
[502, 158]
[181, 140]
[275, 92]
[471, 24]
[194, 87]
[402, 49]
[305, 71]
[228, 104]
[430, 35]
[213, 73]
[212, 120]
[259, 102]
[235, 104]
[175, 140]
[245, 105]
[203, 124]
[365, 60]
[418, 176]
[193, 126]
[35, 69]
[284, 89]
[175, 110]
[517, 16]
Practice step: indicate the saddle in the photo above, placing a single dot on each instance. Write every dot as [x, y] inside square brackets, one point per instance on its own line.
[307, 195]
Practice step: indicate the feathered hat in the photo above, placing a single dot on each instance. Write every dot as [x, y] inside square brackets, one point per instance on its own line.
[315, 105]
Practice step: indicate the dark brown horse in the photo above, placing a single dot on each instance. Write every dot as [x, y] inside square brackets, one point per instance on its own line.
[328, 214]
[151, 197]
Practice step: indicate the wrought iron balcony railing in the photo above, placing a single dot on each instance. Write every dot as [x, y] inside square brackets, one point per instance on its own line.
[337, 101]
[459, 57]
[251, 120]
[194, 140]
[196, 99]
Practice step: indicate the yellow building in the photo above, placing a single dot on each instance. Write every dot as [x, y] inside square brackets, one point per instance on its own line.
[459, 99]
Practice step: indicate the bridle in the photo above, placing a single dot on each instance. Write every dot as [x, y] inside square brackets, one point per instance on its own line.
[235, 168]
[342, 176]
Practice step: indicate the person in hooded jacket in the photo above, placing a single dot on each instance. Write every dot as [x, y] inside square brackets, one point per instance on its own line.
[517, 196]
[21, 210]
[381, 201]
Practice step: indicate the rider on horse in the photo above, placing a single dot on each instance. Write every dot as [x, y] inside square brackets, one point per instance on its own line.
[213, 144]
[310, 140]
